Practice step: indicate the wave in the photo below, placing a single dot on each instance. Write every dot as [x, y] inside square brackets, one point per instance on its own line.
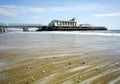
[94, 33]
[87, 33]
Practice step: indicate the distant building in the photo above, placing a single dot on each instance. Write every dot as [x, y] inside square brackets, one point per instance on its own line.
[71, 23]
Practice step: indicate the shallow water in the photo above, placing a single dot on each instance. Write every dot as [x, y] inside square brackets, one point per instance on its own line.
[59, 58]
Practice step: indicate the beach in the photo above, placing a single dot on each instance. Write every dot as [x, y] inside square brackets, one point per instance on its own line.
[59, 58]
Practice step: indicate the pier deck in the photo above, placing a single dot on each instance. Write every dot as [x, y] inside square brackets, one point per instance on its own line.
[52, 28]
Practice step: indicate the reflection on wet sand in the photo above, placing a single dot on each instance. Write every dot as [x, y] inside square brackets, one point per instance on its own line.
[40, 58]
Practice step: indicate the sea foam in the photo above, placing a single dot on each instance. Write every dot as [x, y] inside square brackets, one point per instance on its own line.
[86, 33]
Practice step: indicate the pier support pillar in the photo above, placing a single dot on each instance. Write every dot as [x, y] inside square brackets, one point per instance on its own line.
[39, 29]
[2, 30]
[25, 30]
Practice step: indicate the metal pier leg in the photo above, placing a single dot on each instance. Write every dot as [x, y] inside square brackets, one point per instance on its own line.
[2, 30]
[25, 30]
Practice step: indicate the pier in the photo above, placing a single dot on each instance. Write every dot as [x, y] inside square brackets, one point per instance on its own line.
[54, 25]
[51, 28]
[73, 28]
[25, 27]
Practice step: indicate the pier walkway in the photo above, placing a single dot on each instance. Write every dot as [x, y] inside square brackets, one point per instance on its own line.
[25, 27]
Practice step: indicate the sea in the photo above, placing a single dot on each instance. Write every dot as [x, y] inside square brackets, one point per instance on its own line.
[89, 32]
[16, 47]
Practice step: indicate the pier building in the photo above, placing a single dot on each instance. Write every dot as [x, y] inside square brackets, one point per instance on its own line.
[71, 23]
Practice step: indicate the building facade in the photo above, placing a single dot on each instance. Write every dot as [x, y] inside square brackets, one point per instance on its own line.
[73, 22]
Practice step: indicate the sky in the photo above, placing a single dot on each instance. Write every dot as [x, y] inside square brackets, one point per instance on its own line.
[96, 12]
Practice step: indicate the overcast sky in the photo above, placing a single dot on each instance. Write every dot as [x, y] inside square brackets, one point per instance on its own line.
[95, 12]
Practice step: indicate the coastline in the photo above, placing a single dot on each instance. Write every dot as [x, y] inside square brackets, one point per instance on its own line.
[42, 58]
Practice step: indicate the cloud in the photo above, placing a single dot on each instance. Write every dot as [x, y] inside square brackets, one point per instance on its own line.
[8, 11]
[7, 6]
[37, 17]
[5, 13]
[11, 10]
[37, 10]
[107, 15]
[66, 8]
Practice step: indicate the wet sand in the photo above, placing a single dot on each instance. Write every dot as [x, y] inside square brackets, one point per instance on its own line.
[48, 58]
